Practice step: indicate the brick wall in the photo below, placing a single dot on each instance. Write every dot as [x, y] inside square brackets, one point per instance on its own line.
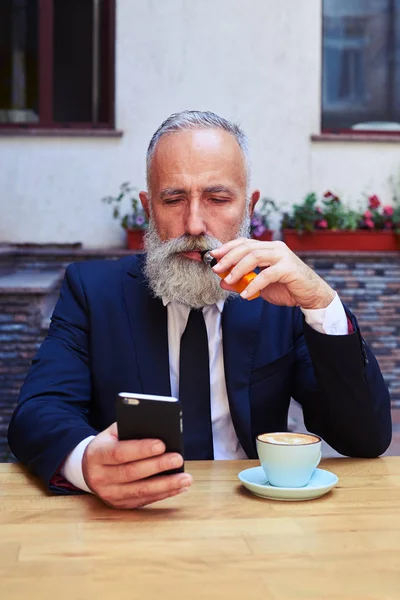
[368, 283]
[21, 332]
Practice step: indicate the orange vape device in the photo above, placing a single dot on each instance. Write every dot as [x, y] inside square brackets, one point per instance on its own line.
[240, 285]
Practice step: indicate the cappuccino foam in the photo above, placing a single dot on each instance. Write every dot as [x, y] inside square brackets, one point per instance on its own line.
[292, 439]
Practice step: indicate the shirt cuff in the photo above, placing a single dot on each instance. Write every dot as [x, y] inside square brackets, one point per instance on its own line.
[71, 470]
[331, 320]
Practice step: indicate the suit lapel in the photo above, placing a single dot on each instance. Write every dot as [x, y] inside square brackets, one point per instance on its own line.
[240, 333]
[148, 323]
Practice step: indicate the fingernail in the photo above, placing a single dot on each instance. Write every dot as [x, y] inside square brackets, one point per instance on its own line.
[176, 461]
[185, 480]
[228, 278]
[183, 490]
[244, 294]
[157, 448]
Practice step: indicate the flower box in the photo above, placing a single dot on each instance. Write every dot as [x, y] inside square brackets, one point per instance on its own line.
[267, 236]
[135, 238]
[356, 241]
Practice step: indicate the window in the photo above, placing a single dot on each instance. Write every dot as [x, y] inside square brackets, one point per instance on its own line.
[361, 66]
[57, 63]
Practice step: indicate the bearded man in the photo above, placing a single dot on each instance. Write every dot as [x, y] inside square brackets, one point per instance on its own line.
[118, 326]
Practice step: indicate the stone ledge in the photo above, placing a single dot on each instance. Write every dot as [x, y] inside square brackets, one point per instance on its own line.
[358, 136]
[20, 131]
[349, 253]
[40, 283]
[62, 250]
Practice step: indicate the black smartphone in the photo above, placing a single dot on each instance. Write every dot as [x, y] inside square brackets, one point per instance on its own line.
[141, 416]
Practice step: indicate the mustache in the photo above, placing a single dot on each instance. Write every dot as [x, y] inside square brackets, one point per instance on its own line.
[190, 243]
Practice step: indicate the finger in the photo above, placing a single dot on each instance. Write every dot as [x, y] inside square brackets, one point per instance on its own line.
[226, 248]
[140, 490]
[231, 258]
[241, 261]
[113, 430]
[264, 253]
[141, 469]
[218, 253]
[134, 503]
[247, 263]
[262, 281]
[110, 451]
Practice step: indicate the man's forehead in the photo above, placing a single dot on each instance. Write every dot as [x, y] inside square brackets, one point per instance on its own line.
[198, 151]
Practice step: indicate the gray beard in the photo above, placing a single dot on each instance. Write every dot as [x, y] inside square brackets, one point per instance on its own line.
[175, 277]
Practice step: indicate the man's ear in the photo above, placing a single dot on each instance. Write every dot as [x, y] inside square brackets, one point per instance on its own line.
[253, 201]
[144, 199]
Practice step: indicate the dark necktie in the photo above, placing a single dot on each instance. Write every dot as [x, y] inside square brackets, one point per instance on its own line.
[194, 389]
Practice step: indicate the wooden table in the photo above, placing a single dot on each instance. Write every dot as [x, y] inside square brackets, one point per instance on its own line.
[217, 541]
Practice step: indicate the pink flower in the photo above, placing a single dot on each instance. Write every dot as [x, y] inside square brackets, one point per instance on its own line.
[369, 223]
[374, 202]
[388, 211]
[318, 210]
[388, 225]
[323, 224]
[140, 220]
[259, 230]
[368, 214]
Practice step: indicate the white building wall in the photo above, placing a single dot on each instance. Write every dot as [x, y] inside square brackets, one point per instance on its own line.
[254, 61]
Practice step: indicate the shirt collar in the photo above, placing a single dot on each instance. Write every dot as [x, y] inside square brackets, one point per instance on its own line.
[219, 304]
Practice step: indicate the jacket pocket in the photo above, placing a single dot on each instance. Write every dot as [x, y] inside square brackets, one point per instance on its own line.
[281, 364]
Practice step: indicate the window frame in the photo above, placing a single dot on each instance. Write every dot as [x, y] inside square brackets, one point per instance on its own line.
[46, 124]
[330, 133]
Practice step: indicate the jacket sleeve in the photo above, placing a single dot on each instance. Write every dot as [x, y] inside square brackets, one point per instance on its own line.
[52, 415]
[342, 392]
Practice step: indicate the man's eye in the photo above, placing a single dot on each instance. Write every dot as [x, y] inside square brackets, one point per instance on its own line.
[172, 201]
[219, 200]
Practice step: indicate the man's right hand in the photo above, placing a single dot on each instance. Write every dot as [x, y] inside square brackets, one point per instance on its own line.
[117, 471]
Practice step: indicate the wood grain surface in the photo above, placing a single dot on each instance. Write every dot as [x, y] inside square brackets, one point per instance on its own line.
[216, 541]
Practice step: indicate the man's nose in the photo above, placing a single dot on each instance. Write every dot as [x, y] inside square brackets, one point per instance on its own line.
[195, 221]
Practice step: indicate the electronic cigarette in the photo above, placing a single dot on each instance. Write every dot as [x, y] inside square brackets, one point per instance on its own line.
[240, 285]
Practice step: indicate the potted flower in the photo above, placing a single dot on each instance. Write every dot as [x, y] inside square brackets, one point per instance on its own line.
[259, 223]
[135, 221]
[330, 225]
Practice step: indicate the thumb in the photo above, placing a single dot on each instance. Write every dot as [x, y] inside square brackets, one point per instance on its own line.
[113, 430]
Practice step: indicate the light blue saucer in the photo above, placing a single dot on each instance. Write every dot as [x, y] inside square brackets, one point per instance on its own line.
[321, 483]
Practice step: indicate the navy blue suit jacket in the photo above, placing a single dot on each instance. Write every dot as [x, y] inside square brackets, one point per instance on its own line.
[109, 335]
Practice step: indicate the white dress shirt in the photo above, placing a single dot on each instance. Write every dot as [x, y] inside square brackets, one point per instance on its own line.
[331, 320]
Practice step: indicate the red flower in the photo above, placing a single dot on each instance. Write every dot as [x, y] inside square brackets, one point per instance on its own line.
[374, 202]
[388, 211]
[330, 196]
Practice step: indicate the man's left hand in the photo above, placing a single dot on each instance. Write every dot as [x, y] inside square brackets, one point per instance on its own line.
[284, 279]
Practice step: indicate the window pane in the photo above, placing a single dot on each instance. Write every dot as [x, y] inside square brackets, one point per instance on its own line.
[79, 40]
[19, 61]
[361, 65]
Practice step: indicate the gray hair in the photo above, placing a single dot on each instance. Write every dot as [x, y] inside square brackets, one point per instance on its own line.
[195, 119]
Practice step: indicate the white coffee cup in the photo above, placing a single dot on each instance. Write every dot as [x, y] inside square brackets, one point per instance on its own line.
[288, 458]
